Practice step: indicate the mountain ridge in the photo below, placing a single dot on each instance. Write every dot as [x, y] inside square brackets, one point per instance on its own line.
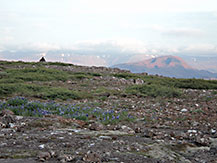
[169, 66]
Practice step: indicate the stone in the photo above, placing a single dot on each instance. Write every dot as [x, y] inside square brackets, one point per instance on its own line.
[127, 129]
[18, 118]
[105, 137]
[43, 156]
[42, 59]
[149, 134]
[41, 146]
[184, 110]
[213, 131]
[65, 158]
[6, 112]
[92, 157]
[139, 81]
[96, 126]
[192, 131]
[7, 119]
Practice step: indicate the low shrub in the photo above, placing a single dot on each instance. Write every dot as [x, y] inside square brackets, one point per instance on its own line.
[126, 75]
[43, 92]
[21, 106]
[153, 90]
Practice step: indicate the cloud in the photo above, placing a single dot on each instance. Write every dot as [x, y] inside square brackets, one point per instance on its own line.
[184, 32]
[177, 31]
[141, 6]
[103, 52]
[42, 46]
[201, 49]
[6, 30]
[6, 39]
[86, 60]
[168, 31]
[121, 45]
[41, 25]
[215, 14]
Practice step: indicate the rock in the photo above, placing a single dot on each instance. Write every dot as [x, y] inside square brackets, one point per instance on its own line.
[192, 131]
[213, 131]
[161, 151]
[65, 158]
[96, 126]
[191, 151]
[43, 156]
[195, 124]
[42, 59]
[18, 118]
[213, 145]
[7, 119]
[204, 141]
[11, 125]
[184, 110]
[6, 112]
[52, 153]
[138, 130]
[127, 129]
[92, 157]
[2, 145]
[149, 134]
[105, 137]
[41, 146]
[139, 81]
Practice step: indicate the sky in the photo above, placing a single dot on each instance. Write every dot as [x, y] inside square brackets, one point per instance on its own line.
[89, 32]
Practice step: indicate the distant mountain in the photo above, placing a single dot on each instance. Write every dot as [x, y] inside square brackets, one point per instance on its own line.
[170, 66]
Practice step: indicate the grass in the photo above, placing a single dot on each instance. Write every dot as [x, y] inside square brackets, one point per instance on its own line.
[103, 91]
[36, 74]
[42, 74]
[171, 82]
[155, 86]
[214, 93]
[37, 91]
[153, 90]
[25, 82]
[38, 80]
[21, 106]
[126, 75]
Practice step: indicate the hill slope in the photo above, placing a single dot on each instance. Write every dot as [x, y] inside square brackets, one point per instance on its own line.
[70, 113]
[170, 66]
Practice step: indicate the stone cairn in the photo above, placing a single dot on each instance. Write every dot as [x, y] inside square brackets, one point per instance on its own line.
[42, 60]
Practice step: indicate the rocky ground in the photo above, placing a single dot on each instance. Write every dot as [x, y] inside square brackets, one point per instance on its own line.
[165, 130]
[174, 130]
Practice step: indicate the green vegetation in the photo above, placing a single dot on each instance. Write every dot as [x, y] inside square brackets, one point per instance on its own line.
[16, 63]
[156, 86]
[83, 75]
[42, 74]
[50, 81]
[172, 82]
[105, 91]
[214, 93]
[85, 112]
[34, 82]
[36, 74]
[127, 75]
[153, 91]
[43, 92]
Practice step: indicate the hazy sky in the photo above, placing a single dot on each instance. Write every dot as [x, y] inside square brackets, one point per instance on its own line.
[139, 26]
